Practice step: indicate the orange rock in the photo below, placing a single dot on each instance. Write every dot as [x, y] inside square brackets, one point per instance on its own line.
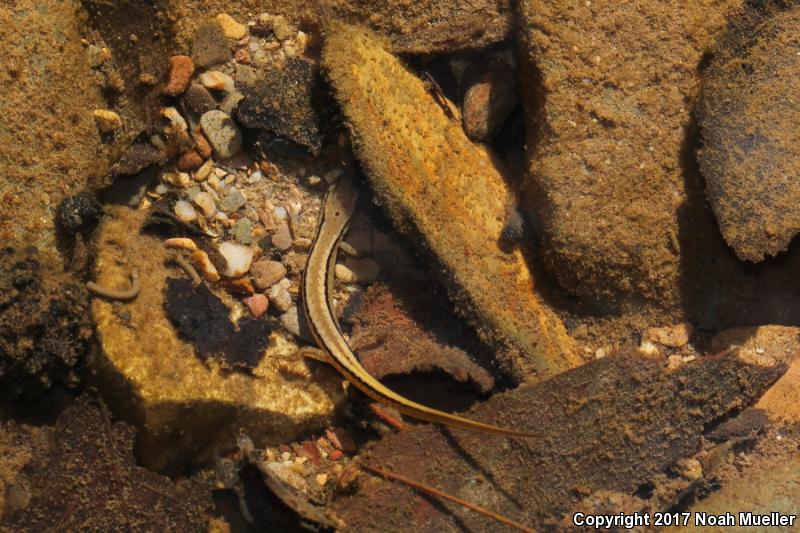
[181, 69]
[201, 144]
[190, 161]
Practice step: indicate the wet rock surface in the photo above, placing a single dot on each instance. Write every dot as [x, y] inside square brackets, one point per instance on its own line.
[289, 102]
[592, 435]
[80, 474]
[395, 123]
[44, 327]
[610, 186]
[750, 158]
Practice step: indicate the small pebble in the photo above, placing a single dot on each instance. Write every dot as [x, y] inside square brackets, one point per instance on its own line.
[181, 69]
[242, 56]
[238, 257]
[267, 273]
[176, 179]
[107, 120]
[231, 28]
[204, 171]
[243, 231]
[233, 201]
[231, 102]
[245, 75]
[216, 80]
[206, 203]
[301, 41]
[282, 238]
[185, 211]
[280, 213]
[648, 349]
[94, 55]
[341, 439]
[204, 265]
[302, 244]
[671, 336]
[291, 321]
[281, 28]
[214, 183]
[210, 46]
[222, 132]
[255, 177]
[335, 455]
[198, 99]
[690, 469]
[280, 298]
[321, 479]
[190, 160]
[353, 270]
[201, 144]
[257, 304]
[314, 180]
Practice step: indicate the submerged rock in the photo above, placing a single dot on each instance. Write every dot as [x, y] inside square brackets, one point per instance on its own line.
[748, 117]
[447, 192]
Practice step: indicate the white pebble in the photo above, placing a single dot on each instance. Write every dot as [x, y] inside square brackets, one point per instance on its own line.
[280, 298]
[238, 257]
[205, 202]
[185, 211]
[176, 179]
[214, 79]
[281, 214]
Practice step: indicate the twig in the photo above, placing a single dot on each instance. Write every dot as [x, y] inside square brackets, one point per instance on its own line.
[438, 493]
[114, 294]
[384, 415]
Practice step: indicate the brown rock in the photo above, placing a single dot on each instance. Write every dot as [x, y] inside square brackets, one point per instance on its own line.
[267, 273]
[282, 238]
[751, 158]
[201, 144]
[489, 97]
[190, 160]
[181, 69]
[670, 336]
[621, 210]
[394, 120]
[210, 45]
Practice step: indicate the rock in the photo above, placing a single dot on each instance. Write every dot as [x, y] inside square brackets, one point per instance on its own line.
[204, 171]
[671, 336]
[620, 209]
[280, 298]
[245, 75]
[231, 28]
[95, 55]
[185, 211]
[281, 28]
[233, 201]
[107, 121]
[289, 102]
[282, 238]
[216, 80]
[206, 203]
[355, 270]
[243, 231]
[222, 132]
[296, 323]
[276, 402]
[136, 158]
[257, 304]
[181, 69]
[489, 97]
[267, 273]
[210, 45]
[231, 102]
[238, 258]
[198, 99]
[750, 157]
[176, 179]
[190, 161]
[393, 119]
[769, 345]
[78, 212]
[201, 144]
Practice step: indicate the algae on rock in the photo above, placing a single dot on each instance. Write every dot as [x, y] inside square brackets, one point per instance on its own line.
[448, 191]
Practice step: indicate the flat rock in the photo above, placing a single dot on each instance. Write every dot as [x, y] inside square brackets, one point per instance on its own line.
[198, 99]
[289, 102]
[210, 46]
[614, 424]
[222, 132]
[187, 408]
[748, 118]
[608, 91]
[448, 194]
